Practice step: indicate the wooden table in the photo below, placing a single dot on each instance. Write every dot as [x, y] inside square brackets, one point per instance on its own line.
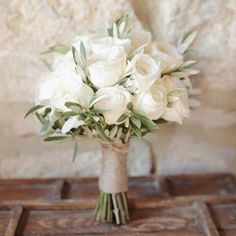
[175, 206]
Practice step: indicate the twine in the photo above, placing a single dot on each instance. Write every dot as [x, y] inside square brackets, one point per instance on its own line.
[113, 177]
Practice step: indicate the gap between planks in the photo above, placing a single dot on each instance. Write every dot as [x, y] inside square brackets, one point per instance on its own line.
[206, 220]
[59, 189]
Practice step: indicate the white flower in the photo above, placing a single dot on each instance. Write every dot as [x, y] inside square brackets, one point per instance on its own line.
[71, 91]
[63, 64]
[115, 104]
[146, 71]
[107, 62]
[102, 46]
[179, 108]
[166, 53]
[72, 122]
[63, 86]
[152, 102]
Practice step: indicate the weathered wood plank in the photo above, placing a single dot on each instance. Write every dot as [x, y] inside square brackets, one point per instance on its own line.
[206, 219]
[158, 207]
[174, 220]
[14, 220]
[5, 215]
[139, 187]
[189, 185]
[224, 216]
[28, 189]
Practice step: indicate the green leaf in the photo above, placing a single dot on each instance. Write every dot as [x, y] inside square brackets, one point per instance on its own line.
[177, 92]
[115, 31]
[161, 121]
[47, 64]
[185, 41]
[101, 133]
[82, 53]
[55, 138]
[122, 118]
[72, 104]
[146, 122]
[60, 48]
[190, 71]
[109, 32]
[136, 131]
[130, 106]
[188, 64]
[136, 121]
[38, 117]
[45, 126]
[47, 111]
[70, 113]
[74, 53]
[139, 113]
[96, 99]
[33, 109]
[75, 151]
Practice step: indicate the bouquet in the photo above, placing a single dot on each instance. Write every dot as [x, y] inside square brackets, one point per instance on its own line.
[110, 88]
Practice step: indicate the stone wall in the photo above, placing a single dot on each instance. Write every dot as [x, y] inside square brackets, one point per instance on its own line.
[206, 142]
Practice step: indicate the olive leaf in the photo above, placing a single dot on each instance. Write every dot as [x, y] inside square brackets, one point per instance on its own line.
[45, 126]
[75, 55]
[55, 138]
[177, 92]
[75, 151]
[60, 48]
[136, 122]
[33, 109]
[146, 122]
[101, 133]
[136, 131]
[96, 99]
[130, 106]
[185, 41]
[122, 118]
[82, 53]
[72, 104]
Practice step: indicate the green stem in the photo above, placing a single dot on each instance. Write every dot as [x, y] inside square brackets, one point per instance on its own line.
[104, 207]
[112, 208]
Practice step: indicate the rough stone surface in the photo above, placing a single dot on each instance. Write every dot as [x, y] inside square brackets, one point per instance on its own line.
[205, 143]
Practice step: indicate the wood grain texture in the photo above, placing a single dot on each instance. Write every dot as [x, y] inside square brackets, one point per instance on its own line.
[46, 221]
[206, 220]
[189, 185]
[14, 221]
[5, 216]
[65, 207]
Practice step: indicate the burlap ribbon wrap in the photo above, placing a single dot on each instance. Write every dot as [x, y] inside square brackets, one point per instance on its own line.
[113, 177]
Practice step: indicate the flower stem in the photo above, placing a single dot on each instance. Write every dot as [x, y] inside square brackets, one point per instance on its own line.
[112, 208]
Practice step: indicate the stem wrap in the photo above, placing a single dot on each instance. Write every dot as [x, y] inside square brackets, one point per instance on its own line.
[113, 177]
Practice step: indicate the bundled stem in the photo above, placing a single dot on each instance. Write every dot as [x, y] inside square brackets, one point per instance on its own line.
[112, 208]
[112, 205]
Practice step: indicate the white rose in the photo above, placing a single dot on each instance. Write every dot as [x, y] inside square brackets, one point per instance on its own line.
[66, 86]
[102, 46]
[63, 64]
[152, 102]
[71, 91]
[107, 62]
[87, 41]
[115, 104]
[166, 53]
[146, 71]
[179, 108]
